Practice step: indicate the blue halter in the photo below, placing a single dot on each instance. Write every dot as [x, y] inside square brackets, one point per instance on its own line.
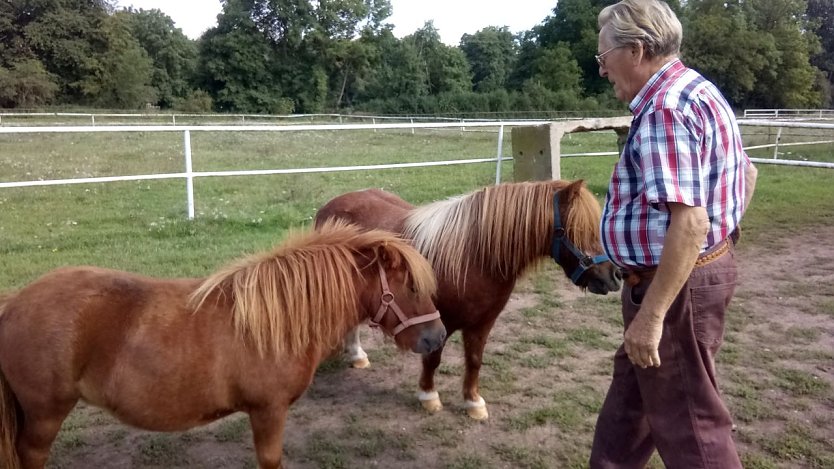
[584, 261]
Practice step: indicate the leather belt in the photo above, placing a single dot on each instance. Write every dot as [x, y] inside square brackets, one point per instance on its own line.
[634, 276]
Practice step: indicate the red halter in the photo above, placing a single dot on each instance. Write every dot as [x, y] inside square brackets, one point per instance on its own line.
[387, 302]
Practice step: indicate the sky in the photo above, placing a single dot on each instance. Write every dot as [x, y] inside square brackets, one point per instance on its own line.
[452, 18]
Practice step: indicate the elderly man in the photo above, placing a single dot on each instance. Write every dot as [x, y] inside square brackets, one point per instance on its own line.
[670, 222]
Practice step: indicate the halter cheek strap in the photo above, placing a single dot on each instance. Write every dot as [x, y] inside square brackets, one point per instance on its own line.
[584, 261]
[387, 302]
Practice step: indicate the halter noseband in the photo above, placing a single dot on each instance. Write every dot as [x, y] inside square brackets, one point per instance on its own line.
[583, 261]
[387, 302]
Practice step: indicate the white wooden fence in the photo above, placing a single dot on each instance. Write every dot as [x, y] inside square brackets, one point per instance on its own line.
[189, 174]
[785, 114]
[779, 125]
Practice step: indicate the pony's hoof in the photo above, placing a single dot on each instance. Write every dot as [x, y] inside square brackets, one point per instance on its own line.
[432, 406]
[430, 401]
[477, 413]
[477, 409]
[361, 363]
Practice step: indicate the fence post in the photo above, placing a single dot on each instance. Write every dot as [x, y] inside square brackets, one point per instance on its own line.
[93, 117]
[500, 155]
[173, 119]
[412, 128]
[189, 179]
[536, 152]
[537, 149]
[776, 145]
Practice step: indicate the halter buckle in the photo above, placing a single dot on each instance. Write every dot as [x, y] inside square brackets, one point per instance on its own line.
[387, 298]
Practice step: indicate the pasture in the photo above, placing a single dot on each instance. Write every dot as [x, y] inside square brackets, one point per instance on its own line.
[548, 362]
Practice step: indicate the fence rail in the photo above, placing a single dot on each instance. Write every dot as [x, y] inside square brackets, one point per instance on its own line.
[822, 114]
[189, 174]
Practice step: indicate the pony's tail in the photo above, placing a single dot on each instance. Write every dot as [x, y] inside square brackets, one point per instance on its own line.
[10, 413]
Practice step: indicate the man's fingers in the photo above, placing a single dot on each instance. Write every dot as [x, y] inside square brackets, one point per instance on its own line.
[643, 357]
[655, 358]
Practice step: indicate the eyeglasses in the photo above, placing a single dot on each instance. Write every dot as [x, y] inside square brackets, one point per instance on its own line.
[600, 59]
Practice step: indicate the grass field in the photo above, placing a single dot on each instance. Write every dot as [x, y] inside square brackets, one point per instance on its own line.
[142, 227]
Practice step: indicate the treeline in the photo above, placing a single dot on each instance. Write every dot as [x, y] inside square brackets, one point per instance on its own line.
[305, 56]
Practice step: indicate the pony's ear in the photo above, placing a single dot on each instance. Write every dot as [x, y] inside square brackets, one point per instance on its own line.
[389, 256]
[572, 190]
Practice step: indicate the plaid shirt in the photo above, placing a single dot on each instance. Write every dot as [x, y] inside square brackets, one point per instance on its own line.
[684, 146]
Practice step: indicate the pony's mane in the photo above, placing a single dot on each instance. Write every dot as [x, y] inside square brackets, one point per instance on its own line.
[500, 229]
[303, 293]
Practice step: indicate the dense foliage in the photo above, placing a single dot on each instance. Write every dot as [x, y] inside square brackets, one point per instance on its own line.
[306, 56]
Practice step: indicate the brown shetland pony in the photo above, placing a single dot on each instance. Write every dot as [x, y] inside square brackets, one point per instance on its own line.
[168, 355]
[478, 245]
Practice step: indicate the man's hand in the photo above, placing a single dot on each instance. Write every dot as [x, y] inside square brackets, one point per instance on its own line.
[687, 231]
[642, 339]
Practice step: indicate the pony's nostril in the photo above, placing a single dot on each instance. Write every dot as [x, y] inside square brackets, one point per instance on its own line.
[618, 273]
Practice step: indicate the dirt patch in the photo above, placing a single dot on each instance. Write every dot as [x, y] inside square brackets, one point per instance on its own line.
[547, 366]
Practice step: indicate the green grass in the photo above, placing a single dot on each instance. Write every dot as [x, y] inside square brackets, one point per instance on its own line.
[234, 428]
[162, 449]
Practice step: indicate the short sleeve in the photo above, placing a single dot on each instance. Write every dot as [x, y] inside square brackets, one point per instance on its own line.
[670, 157]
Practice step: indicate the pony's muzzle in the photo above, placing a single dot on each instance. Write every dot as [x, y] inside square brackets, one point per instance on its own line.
[607, 278]
[432, 337]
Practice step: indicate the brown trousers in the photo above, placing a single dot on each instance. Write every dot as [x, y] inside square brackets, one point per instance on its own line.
[676, 407]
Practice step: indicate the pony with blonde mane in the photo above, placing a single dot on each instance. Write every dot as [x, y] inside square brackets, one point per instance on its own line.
[169, 355]
[479, 244]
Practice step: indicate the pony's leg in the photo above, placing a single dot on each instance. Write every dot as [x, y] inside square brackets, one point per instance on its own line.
[474, 341]
[353, 349]
[37, 434]
[428, 395]
[268, 433]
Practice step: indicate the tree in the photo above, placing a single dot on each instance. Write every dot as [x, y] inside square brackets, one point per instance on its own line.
[340, 45]
[236, 64]
[27, 84]
[174, 56]
[491, 53]
[86, 53]
[123, 78]
[307, 49]
[768, 64]
[397, 73]
[574, 24]
[67, 37]
[557, 70]
[708, 27]
[790, 79]
[447, 70]
[821, 19]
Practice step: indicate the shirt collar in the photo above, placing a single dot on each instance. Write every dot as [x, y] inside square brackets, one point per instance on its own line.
[639, 103]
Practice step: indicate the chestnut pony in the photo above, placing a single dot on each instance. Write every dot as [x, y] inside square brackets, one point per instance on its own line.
[168, 355]
[478, 245]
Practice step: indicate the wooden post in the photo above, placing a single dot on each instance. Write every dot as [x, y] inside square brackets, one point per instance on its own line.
[532, 154]
[537, 149]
